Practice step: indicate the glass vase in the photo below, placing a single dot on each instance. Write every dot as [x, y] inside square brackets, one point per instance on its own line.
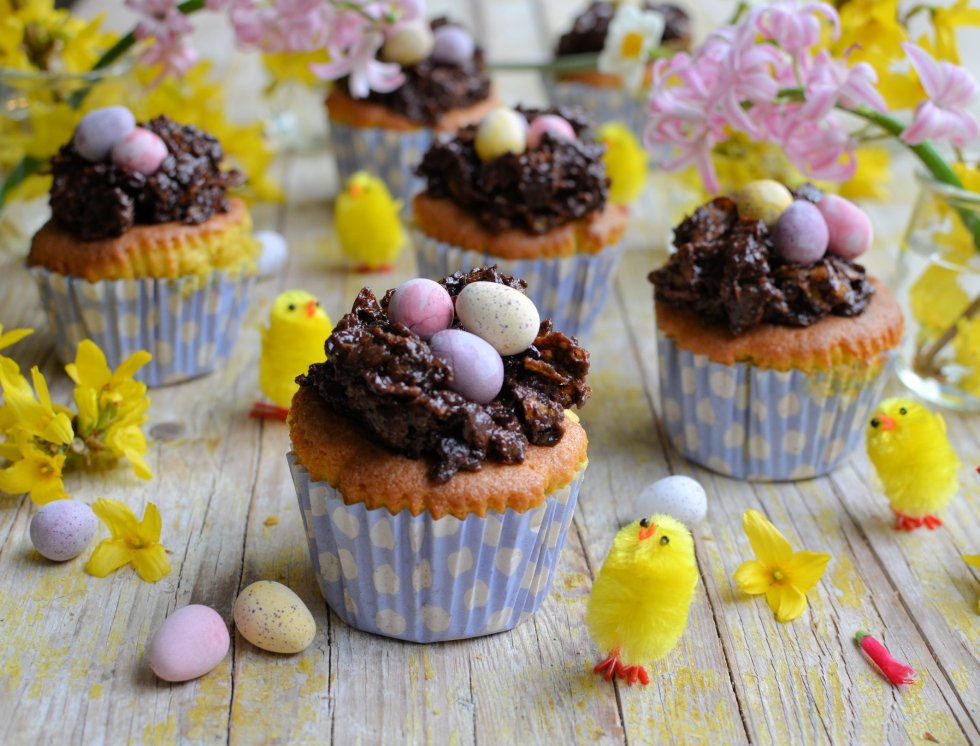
[939, 278]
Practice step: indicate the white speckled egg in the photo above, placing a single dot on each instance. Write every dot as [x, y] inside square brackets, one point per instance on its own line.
[270, 616]
[677, 496]
[63, 529]
[274, 254]
[763, 200]
[503, 316]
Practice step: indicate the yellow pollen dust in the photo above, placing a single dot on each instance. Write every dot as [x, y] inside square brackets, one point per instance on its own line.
[632, 45]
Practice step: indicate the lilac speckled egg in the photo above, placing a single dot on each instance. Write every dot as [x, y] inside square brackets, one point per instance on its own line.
[849, 226]
[63, 529]
[424, 306]
[190, 642]
[452, 45]
[478, 370]
[100, 130]
[141, 151]
[503, 316]
[552, 124]
[678, 496]
[801, 234]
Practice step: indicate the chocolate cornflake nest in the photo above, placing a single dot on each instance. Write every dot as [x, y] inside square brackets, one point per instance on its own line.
[100, 200]
[725, 270]
[386, 378]
[588, 32]
[432, 88]
[550, 185]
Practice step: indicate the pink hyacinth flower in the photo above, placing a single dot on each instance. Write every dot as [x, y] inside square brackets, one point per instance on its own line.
[950, 89]
[793, 26]
[366, 73]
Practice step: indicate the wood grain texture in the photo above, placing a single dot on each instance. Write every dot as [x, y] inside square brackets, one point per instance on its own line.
[71, 660]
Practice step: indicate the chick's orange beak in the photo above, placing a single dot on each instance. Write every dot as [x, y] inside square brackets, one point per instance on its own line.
[885, 422]
[310, 308]
[647, 531]
[356, 189]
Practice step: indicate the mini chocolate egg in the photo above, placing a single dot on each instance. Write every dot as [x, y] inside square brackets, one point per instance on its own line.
[191, 642]
[801, 234]
[501, 131]
[763, 200]
[100, 130]
[452, 45]
[849, 227]
[677, 496]
[409, 44]
[274, 254]
[503, 316]
[552, 124]
[270, 616]
[478, 370]
[424, 306]
[63, 529]
[141, 151]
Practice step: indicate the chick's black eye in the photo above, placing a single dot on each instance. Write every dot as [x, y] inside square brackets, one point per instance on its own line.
[665, 540]
[875, 422]
[317, 304]
[292, 306]
[645, 522]
[903, 410]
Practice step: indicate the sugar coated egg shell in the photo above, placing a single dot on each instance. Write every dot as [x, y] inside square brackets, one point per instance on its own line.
[63, 529]
[272, 617]
[191, 642]
[763, 200]
[502, 315]
[678, 496]
[501, 131]
[424, 306]
[477, 368]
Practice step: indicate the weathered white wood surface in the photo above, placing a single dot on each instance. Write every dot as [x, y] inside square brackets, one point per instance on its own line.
[71, 646]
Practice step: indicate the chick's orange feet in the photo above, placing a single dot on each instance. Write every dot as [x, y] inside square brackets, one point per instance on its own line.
[264, 411]
[613, 666]
[632, 674]
[910, 523]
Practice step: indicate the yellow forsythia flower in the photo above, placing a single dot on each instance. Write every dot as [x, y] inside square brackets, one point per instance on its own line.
[966, 345]
[133, 542]
[784, 576]
[37, 473]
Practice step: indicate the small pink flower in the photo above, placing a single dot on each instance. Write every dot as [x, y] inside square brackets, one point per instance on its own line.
[360, 63]
[794, 27]
[950, 89]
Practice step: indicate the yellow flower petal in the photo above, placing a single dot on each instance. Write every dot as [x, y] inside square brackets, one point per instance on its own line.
[90, 367]
[109, 556]
[37, 473]
[151, 563]
[117, 516]
[130, 365]
[770, 546]
[753, 577]
[149, 528]
[806, 568]
[786, 601]
[972, 559]
[13, 336]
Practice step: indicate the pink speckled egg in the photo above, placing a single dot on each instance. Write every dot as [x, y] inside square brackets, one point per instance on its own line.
[551, 124]
[190, 642]
[849, 226]
[141, 151]
[801, 234]
[63, 529]
[478, 370]
[100, 130]
[424, 306]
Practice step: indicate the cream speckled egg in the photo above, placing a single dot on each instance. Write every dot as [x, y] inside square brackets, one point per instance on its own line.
[501, 315]
[501, 131]
[270, 616]
[763, 200]
[678, 496]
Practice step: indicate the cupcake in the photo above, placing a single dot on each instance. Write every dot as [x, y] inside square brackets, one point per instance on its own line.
[435, 508]
[525, 189]
[773, 344]
[145, 249]
[604, 95]
[445, 86]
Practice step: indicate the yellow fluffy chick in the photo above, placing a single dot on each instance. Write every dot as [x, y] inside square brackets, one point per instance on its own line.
[297, 329]
[916, 463]
[640, 600]
[626, 162]
[367, 222]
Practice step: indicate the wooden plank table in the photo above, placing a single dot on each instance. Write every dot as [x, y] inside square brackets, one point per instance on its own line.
[71, 661]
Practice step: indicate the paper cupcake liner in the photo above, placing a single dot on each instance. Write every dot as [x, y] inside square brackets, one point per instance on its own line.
[763, 425]
[570, 291]
[424, 580]
[189, 324]
[391, 155]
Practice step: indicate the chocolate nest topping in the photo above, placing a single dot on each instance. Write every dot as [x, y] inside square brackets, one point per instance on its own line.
[386, 378]
[432, 88]
[100, 200]
[555, 183]
[588, 33]
[725, 269]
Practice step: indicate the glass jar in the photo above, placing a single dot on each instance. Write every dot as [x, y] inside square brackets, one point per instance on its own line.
[939, 279]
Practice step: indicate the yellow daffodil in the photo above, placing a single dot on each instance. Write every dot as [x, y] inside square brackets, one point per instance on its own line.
[133, 542]
[784, 576]
[13, 336]
[944, 24]
[36, 472]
